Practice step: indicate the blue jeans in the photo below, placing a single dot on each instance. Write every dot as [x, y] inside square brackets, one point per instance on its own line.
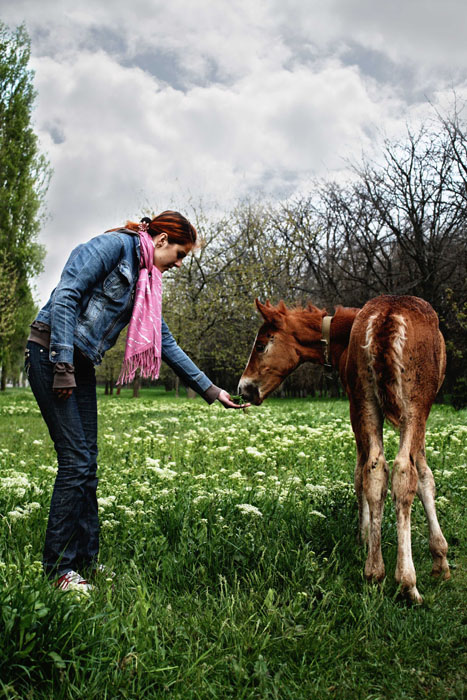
[72, 536]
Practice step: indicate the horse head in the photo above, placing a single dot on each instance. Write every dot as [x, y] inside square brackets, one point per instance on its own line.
[283, 342]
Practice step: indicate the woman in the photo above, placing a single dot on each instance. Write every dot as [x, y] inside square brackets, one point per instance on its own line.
[113, 279]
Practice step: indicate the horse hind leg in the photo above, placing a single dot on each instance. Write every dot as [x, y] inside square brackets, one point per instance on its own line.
[404, 487]
[426, 492]
[375, 484]
[363, 508]
[371, 480]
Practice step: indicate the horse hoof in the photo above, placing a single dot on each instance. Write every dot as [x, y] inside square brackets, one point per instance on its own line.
[438, 572]
[411, 595]
[375, 575]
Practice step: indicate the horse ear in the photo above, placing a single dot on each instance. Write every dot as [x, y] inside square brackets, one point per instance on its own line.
[315, 310]
[268, 312]
[281, 307]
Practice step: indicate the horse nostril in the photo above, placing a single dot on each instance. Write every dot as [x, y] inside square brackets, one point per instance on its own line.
[249, 391]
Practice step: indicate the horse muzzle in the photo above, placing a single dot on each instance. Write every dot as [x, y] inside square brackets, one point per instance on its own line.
[249, 391]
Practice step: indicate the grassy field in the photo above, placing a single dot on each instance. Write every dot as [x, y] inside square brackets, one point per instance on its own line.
[233, 536]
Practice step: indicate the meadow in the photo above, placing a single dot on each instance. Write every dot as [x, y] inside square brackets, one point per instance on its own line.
[233, 537]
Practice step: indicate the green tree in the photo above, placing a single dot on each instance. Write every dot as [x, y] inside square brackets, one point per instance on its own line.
[24, 178]
[108, 372]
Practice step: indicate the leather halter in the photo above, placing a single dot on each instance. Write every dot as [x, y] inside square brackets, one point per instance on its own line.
[326, 340]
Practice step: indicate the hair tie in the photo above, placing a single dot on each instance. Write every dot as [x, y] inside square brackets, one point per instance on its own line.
[144, 224]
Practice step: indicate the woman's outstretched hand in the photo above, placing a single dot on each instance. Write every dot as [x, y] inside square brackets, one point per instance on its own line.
[226, 401]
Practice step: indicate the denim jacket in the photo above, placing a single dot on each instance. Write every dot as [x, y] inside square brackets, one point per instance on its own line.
[93, 302]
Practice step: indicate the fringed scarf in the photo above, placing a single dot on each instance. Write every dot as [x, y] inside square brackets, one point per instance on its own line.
[143, 348]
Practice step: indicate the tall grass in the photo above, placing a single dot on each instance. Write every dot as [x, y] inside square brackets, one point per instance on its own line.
[233, 537]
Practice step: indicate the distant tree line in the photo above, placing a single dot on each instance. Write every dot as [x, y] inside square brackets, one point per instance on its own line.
[397, 226]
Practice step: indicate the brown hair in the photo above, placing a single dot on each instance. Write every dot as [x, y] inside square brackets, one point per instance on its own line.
[175, 225]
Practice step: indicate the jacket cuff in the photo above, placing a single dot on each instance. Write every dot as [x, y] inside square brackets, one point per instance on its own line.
[61, 353]
[64, 376]
[211, 394]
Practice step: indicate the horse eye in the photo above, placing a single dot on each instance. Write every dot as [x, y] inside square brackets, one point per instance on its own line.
[260, 347]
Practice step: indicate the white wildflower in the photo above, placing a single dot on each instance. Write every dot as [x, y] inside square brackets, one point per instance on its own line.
[248, 509]
[236, 475]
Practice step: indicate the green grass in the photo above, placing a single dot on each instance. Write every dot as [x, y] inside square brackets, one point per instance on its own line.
[239, 576]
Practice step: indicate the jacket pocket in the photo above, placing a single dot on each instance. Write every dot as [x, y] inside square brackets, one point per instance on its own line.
[117, 283]
[94, 311]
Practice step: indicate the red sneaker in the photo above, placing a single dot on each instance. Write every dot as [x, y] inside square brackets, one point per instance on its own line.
[72, 581]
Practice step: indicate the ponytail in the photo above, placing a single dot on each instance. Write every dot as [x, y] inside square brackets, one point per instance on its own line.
[175, 225]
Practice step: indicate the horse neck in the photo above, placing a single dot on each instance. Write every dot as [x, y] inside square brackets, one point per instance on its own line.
[341, 326]
[306, 330]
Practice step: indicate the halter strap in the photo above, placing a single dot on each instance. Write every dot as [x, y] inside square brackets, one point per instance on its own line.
[326, 340]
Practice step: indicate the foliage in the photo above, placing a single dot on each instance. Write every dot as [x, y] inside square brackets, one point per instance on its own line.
[109, 371]
[455, 321]
[8, 282]
[24, 177]
[238, 570]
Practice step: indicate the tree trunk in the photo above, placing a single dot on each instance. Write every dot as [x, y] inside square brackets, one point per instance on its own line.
[3, 379]
[136, 387]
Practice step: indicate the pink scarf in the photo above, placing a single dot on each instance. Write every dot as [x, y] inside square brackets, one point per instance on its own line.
[143, 348]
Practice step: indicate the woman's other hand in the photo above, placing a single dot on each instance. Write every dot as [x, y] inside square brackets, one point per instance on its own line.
[63, 393]
[226, 401]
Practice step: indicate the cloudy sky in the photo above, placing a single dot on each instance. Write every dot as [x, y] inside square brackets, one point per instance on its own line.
[155, 104]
